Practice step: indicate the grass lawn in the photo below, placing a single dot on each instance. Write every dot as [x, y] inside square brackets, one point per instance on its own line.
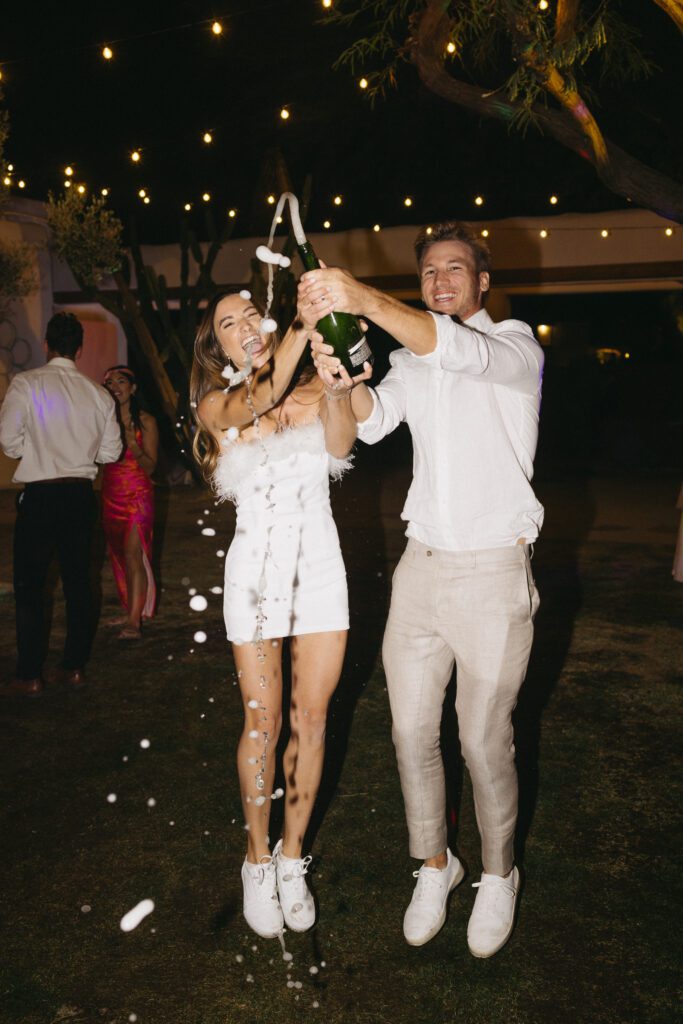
[595, 941]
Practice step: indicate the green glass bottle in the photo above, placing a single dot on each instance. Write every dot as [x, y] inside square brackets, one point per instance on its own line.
[342, 331]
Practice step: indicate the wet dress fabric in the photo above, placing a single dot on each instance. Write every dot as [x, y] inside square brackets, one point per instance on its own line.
[128, 504]
[285, 555]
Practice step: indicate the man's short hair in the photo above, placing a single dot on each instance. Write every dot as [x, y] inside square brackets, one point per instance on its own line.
[454, 231]
[64, 334]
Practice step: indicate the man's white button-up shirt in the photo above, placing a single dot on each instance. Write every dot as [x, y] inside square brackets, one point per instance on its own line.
[472, 407]
[59, 423]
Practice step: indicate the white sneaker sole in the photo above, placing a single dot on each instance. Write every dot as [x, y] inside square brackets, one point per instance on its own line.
[263, 934]
[459, 875]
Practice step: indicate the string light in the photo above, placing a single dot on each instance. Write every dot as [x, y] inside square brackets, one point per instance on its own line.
[363, 83]
[187, 207]
[270, 199]
[450, 47]
[429, 230]
[104, 192]
[337, 200]
[107, 53]
[668, 232]
[279, 220]
[68, 171]
[478, 200]
[543, 5]
[67, 183]
[206, 197]
[543, 330]
[553, 200]
[604, 233]
[327, 225]
[485, 233]
[627, 355]
[207, 137]
[10, 167]
[80, 189]
[376, 227]
[407, 201]
[543, 233]
[146, 200]
[217, 28]
[284, 114]
[142, 193]
[7, 181]
[327, 4]
[135, 156]
[232, 213]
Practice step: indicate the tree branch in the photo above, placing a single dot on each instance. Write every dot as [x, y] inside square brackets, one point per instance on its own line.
[674, 8]
[621, 173]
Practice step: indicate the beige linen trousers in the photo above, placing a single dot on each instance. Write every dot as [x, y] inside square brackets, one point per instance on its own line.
[474, 609]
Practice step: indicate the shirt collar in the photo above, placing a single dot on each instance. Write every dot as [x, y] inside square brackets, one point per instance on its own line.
[62, 361]
[480, 320]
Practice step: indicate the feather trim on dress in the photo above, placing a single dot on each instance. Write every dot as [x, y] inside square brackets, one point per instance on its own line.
[241, 458]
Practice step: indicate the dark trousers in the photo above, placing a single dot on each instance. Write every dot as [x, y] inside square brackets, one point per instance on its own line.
[53, 516]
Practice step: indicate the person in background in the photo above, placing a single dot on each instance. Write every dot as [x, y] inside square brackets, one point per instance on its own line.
[128, 504]
[59, 424]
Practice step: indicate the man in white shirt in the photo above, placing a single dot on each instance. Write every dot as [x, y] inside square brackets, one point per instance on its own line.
[463, 591]
[59, 423]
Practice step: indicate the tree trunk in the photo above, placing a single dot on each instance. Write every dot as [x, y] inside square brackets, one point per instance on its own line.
[622, 173]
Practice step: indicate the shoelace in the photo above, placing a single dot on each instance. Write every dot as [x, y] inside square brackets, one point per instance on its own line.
[426, 879]
[492, 891]
[296, 874]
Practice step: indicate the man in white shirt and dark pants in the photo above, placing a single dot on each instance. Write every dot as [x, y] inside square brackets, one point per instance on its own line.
[59, 423]
[463, 592]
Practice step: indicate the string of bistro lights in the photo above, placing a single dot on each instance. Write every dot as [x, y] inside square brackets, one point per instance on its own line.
[207, 137]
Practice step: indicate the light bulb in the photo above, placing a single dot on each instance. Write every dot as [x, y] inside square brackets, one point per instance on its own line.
[80, 189]
[10, 167]
[232, 213]
[407, 201]
[207, 137]
[478, 200]
[376, 227]
[146, 200]
[279, 220]
[8, 181]
[206, 196]
[543, 233]
[485, 233]
[217, 28]
[67, 183]
[104, 192]
[553, 200]
[604, 233]
[668, 232]
[543, 330]
[327, 3]
[142, 193]
[107, 53]
[284, 114]
[270, 199]
[68, 171]
[327, 225]
[450, 47]
[337, 200]
[428, 231]
[187, 207]
[543, 5]
[363, 83]
[135, 156]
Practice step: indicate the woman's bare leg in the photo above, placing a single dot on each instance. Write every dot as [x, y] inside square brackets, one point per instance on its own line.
[317, 660]
[136, 578]
[261, 688]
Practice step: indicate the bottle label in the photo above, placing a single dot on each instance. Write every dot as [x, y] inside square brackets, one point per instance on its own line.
[360, 353]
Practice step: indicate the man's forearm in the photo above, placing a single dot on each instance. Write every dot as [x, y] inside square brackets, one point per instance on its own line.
[413, 328]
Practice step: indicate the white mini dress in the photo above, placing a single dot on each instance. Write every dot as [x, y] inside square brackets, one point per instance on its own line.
[285, 555]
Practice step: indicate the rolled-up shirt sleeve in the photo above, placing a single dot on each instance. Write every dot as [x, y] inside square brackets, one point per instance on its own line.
[111, 444]
[509, 355]
[13, 420]
[388, 410]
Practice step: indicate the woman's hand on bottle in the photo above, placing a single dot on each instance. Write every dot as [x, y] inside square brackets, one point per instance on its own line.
[332, 288]
[339, 384]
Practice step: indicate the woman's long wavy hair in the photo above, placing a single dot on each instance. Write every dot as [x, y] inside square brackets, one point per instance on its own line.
[208, 364]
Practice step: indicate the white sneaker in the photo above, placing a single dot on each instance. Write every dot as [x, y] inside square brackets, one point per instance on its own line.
[426, 911]
[296, 901]
[493, 916]
[261, 908]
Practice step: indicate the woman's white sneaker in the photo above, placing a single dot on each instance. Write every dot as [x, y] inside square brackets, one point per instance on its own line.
[296, 901]
[261, 908]
[493, 916]
[426, 911]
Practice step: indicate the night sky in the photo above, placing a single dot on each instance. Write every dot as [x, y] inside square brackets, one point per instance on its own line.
[168, 84]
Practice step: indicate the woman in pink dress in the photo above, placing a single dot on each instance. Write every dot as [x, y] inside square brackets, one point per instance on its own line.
[128, 504]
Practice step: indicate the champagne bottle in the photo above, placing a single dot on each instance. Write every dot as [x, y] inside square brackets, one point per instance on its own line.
[342, 331]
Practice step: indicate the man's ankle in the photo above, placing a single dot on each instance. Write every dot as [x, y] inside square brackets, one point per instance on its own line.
[439, 861]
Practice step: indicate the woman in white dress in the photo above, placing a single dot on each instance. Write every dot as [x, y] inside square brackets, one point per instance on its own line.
[270, 445]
